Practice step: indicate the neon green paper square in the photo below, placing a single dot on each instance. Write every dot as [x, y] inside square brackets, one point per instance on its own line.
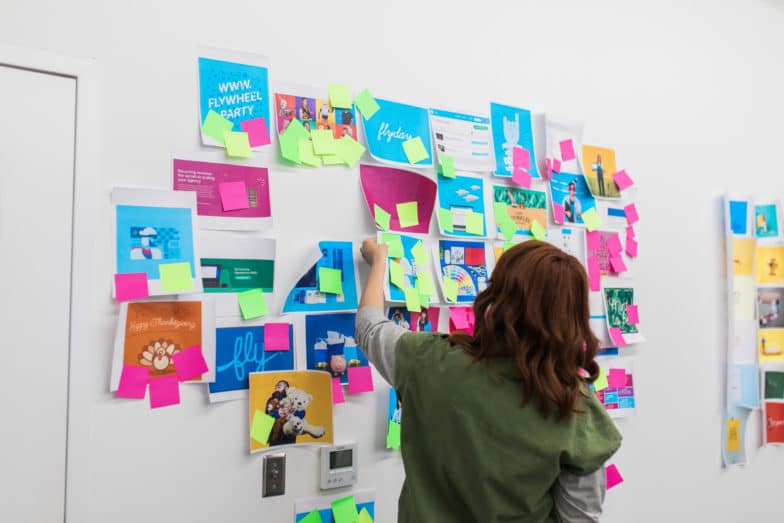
[175, 277]
[330, 280]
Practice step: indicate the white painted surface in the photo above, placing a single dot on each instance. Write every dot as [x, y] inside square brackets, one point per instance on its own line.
[688, 92]
[36, 195]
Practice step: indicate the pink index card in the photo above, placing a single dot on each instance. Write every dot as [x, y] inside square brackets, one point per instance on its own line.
[360, 379]
[556, 165]
[164, 391]
[233, 195]
[617, 337]
[630, 232]
[276, 337]
[521, 177]
[631, 214]
[612, 476]
[567, 150]
[521, 158]
[616, 262]
[471, 319]
[337, 391]
[631, 247]
[258, 134]
[593, 240]
[558, 213]
[622, 180]
[632, 314]
[616, 378]
[614, 244]
[133, 382]
[459, 318]
[189, 363]
[132, 286]
[594, 274]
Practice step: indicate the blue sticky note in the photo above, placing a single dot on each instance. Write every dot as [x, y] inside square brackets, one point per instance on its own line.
[738, 216]
[748, 383]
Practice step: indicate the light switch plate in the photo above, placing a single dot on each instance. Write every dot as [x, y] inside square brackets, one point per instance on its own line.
[273, 475]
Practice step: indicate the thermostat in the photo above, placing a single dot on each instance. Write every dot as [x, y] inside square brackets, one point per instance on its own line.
[338, 466]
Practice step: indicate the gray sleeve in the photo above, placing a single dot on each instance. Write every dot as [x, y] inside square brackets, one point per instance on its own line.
[578, 499]
[377, 336]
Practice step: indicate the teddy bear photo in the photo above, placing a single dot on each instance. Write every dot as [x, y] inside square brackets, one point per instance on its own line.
[287, 405]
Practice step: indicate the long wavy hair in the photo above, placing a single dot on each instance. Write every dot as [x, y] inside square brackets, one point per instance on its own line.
[535, 311]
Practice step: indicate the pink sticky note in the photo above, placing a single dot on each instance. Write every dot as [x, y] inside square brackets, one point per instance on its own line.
[616, 378]
[594, 273]
[133, 382]
[471, 319]
[189, 363]
[164, 391]
[258, 134]
[337, 391]
[614, 244]
[276, 337]
[360, 379]
[631, 247]
[556, 165]
[630, 232]
[612, 476]
[131, 286]
[234, 196]
[631, 214]
[458, 317]
[616, 262]
[593, 240]
[558, 213]
[632, 314]
[617, 337]
[622, 180]
[567, 150]
[521, 178]
[521, 158]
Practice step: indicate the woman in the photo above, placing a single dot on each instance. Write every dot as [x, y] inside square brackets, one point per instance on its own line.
[498, 426]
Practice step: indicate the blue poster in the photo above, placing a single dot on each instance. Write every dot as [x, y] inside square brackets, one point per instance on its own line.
[572, 192]
[150, 236]
[466, 263]
[393, 124]
[240, 351]
[410, 269]
[460, 195]
[511, 127]
[326, 513]
[305, 296]
[738, 217]
[330, 344]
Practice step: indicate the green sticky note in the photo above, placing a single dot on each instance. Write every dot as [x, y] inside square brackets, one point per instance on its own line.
[450, 289]
[330, 280]
[424, 301]
[601, 382]
[175, 277]
[508, 245]
[289, 147]
[344, 510]
[339, 97]
[323, 142]
[475, 223]
[381, 216]
[508, 228]
[364, 515]
[332, 159]
[215, 126]
[237, 145]
[415, 150]
[393, 436]
[445, 220]
[397, 275]
[253, 304]
[261, 427]
[424, 284]
[296, 130]
[537, 231]
[366, 104]
[447, 166]
[394, 243]
[306, 154]
[412, 299]
[348, 149]
[500, 212]
[419, 253]
[407, 214]
[312, 517]
[591, 219]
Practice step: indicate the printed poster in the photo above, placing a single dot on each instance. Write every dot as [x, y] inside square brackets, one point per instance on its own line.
[569, 240]
[602, 251]
[571, 191]
[393, 124]
[461, 195]
[768, 261]
[424, 321]
[743, 256]
[771, 345]
[599, 168]
[559, 130]
[774, 422]
[766, 221]
[305, 295]
[523, 206]
[394, 418]
[769, 307]
[618, 397]
[466, 262]
[315, 113]
[616, 299]
[466, 138]
[364, 499]
[392, 292]
[386, 187]
[512, 128]
[330, 344]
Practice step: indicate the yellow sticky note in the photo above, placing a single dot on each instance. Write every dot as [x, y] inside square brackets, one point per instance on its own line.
[366, 104]
[407, 214]
[313, 517]
[419, 253]
[364, 515]
[601, 382]
[382, 217]
[424, 284]
[175, 277]
[306, 154]
[323, 142]
[330, 280]
[424, 300]
[415, 150]
[393, 437]
[261, 427]
[412, 299]
[237, 145]
[253, 304]
[397, 275]
[591, 219]
[733, 435]
[348, 149]
[475, 223]
[445, 220]
[215, 126]
[339, 96]
[332, 159]
[450, 289]
[394, 244]
[537, 231]
[447, 166]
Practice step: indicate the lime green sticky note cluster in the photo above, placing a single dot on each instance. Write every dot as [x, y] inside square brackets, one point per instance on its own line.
[366, 104]
[364, 515]
[381, 216]
[332, 159]
[424, 284]
[330, 280]
[447, 166]
[323, 142]
[412, 299]
[537, 231]
[290, 139]
[408, 214]
[508, 245]
[344, 510]
[419, 253]
[237, 145]
[306, 154]
[504, 221]
[415, 150]
[253, 304]
[397, 275]
[261, 427]
[591, 219]
[175, 277]
[313, 517]
[446, 220]
[475, 223]
[349, 150]
[393, 435]
[601, 382]
[215, 126]
[450, 289]
[339, 96]
[394, 244]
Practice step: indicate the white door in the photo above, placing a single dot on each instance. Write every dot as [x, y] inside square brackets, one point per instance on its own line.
[37, 125]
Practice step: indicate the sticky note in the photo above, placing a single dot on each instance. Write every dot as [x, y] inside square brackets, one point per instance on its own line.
[594, 273]
[632, 314]
[591, 219]
[733, 435]
[445, 219]
[393, 436]
[616, 262]
[508, 228]
[394, 244]
[622, 180]
[215, 126]
[412, 299]
[631, 247]
[613, 244]
[313, 517]
[419, 253]
[233, 195]
[424, 284]
[630, 232]
[537, 231]
[189, 363]
[424, 301]
[631, 214]
[296, 130]
[366, 104]
[276, 337]
[323, 142]
[475, 223]
[459, 318]
[237, 144]
[344, 510]
[253, 304]
[306, 154]
[617, 337]
[175, 277]
[521, 158]
[289, 147]
[261, 427]
[133, 382]
[339, 96]
[556, 165]
[567, 150]
[407, 214]
[593, 240]
[330, 280]
[131, 286]
[332, 159]
[349, 150]
[601, 381]
[415, 150]
[616, 378]
[558, 213]
[360, 379]
[508, 245]
[613, 478]
[364, 516]
[521, 178]
[258, 132]
[450, 289]
[164, 391]
[447, 166]
[337, 391]
[397, 275]
[381, 216]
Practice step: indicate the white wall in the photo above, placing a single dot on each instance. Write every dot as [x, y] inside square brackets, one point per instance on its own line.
[687, 92]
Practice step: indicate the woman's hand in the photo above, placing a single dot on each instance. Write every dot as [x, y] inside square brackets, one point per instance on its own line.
[373, 252]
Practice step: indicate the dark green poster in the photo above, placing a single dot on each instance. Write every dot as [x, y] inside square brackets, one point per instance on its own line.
[232, 275]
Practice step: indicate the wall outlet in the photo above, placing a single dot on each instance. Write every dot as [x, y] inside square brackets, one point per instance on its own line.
[273, 475]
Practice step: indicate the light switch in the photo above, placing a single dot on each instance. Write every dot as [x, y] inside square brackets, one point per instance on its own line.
[274, 475]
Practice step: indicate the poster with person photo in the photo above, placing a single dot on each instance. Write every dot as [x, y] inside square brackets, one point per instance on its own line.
[599, 168]
[424, 321]
[769, 307]
[571, 192]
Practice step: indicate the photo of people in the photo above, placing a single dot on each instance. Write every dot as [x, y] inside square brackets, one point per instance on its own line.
[331, 346]
[424, 321]
[314, 113]
[571, 191]
[766, 221]
[769, 307]
[599, 168]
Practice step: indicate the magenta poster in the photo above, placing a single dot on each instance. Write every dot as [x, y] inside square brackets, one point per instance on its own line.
[387, 187]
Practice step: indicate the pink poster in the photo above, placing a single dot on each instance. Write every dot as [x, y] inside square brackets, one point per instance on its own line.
[388, 191]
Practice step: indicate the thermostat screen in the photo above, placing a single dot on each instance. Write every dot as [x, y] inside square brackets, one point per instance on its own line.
[340, 459]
